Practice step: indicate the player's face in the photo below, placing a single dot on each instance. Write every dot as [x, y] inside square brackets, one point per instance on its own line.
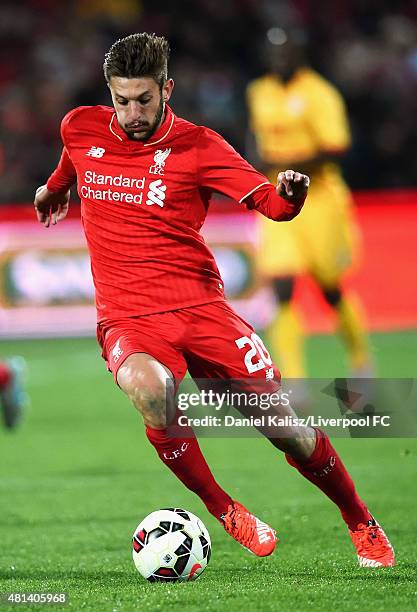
[139, 104]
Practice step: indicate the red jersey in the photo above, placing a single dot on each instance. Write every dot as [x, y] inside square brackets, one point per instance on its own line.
[143, 204]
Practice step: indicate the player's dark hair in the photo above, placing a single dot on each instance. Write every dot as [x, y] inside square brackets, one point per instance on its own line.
[138, 55]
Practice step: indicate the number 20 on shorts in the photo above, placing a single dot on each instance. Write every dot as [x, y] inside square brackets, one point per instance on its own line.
[256, 349]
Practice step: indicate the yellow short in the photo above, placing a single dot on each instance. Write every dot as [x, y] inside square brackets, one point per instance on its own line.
[322, 241]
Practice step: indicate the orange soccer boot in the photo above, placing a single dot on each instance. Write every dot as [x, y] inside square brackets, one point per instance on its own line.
[254, 535]
[372, 545]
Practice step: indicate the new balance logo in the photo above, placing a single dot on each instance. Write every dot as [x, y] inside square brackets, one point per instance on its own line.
[117, 352]
[96, 152]
[269, 374]
[156, 193]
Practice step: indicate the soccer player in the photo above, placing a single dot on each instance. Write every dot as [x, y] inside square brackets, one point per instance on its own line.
[13, 397]
[299, 119]
[144, 178]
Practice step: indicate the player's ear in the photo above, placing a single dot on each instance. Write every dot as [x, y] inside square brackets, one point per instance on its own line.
[167, 89]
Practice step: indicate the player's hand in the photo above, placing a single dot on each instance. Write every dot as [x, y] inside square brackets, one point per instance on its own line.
[292, 186]
[51, 207]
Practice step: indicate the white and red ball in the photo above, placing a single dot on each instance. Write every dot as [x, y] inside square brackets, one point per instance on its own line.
[171, 545]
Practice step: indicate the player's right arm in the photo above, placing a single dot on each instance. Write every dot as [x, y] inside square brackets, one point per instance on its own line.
[50, 207]
[52, 200]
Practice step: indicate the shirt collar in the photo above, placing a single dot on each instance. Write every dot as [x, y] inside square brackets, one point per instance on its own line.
[161, 133]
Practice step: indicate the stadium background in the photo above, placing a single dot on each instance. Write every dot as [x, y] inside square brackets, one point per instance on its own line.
[77, 446]
[51, 57]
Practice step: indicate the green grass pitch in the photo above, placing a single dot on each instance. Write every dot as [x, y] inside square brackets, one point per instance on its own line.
[78, 476]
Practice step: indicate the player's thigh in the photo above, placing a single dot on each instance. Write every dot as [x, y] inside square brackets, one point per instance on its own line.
[228, 355]
[143, 356]
[155, 335]
[223, 345]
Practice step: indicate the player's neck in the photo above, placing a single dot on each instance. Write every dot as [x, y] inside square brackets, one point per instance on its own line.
[164, 114]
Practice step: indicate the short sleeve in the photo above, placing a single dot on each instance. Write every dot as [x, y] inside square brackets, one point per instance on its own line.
[329, 120]
[220, 168]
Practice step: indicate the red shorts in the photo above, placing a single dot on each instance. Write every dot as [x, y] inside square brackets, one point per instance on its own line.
[210, 340]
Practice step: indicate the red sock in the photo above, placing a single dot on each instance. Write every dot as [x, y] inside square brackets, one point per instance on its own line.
[5, 375]
[183, 457]
[325, 469]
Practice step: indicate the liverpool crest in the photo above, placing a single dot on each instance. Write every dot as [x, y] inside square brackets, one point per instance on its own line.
[159, 161]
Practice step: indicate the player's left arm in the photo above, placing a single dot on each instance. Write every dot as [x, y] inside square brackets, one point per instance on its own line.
[293, 186]
[220, 168]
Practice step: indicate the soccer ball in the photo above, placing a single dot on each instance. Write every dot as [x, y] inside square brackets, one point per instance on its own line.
[171, 545]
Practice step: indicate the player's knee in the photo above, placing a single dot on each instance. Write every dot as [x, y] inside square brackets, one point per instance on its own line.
[332, 296]
[283, 288]
[152, 400]
[151, 395]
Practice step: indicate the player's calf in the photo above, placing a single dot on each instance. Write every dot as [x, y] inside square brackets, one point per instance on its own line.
[294, 440]
[300, 448]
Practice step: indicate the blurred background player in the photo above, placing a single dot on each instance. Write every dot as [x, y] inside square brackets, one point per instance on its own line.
[13, 396]
[298, 119]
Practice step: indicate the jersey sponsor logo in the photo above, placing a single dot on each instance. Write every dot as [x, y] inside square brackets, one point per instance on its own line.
[96, 152]
[159, 159]
[117, 352]
[156, 193]
[93, 179]
[117, 181]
